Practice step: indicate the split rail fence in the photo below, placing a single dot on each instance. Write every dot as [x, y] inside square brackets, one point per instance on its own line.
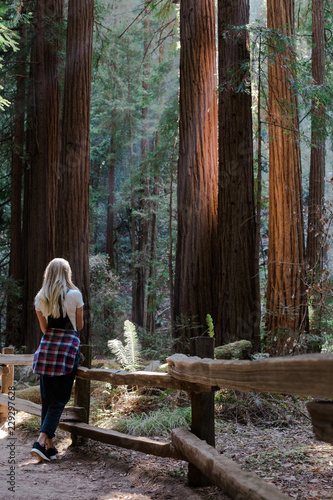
[304, 375]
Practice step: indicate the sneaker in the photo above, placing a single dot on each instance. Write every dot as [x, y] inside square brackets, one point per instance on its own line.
[39, 452]
[52, 453]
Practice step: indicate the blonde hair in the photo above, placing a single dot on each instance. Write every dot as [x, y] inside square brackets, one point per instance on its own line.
[57, 278]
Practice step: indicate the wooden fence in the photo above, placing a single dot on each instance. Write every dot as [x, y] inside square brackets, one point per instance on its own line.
[310, 375]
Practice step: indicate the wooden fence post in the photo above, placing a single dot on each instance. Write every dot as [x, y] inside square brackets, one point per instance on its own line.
[7, 380]
[202, 405]
[82, 387]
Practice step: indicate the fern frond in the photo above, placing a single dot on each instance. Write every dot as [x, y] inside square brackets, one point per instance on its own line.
[210, 324]
[117, 348]
[132, 346]
[129, 353]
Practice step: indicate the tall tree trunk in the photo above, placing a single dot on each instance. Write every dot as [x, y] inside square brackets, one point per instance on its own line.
[170, 256]
[316, 229]
[151, 291]
[110, 213]
[40, 195]
[73, 207]
[152, 271]
[197, 170]
[139, 306]
[239, 301]
[13, 316]
[286, 317]
[315, 246]
[133, 217]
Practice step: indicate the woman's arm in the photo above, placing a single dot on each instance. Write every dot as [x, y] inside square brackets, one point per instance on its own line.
[42, 321]
[79, 318]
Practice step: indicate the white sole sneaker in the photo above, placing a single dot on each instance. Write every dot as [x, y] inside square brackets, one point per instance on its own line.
[39, 452]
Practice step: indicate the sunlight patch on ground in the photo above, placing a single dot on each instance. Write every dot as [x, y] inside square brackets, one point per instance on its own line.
[3, 433]
[20, 417]
[124, 496]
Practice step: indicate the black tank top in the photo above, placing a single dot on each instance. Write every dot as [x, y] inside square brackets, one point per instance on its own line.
[63, 323]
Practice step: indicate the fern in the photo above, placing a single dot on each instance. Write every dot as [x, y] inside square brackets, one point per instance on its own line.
[128, 353]
[210, 325]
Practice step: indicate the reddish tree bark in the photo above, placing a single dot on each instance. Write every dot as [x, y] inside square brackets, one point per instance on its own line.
[197, 169]
[152, 270]
[13, 315]
[286, 291]
[238, 315]
[110, 214]
[139, 292]
[315, 245]
[73, 207]
[43, 147]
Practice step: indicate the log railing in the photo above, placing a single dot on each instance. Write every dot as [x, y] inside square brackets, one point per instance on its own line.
[310, 375]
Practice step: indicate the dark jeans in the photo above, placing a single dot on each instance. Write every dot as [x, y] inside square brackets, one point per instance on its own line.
[55, 393]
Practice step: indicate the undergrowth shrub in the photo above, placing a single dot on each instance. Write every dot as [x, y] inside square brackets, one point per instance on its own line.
[158, 346]
[156, 423]
[262, 410]
[106, 302]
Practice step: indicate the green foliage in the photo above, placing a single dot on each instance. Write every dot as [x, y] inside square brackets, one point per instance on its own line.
[156, 423]
[157, 346]
[106, 302]
[7, 38]
[8, 41]
[267, 410]
[210, 325]
[127, 354]
[121, 65]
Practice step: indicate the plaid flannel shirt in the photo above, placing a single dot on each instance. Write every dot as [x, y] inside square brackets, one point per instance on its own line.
[57, 352]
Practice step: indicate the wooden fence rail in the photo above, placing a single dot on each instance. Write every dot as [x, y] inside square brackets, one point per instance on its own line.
[304, 375]
[310, 375]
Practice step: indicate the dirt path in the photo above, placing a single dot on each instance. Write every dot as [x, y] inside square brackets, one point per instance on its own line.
[289, 457]
[92, 471]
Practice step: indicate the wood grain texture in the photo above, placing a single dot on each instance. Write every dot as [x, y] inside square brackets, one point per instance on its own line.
[145, 445]
[286, 303]
[74, 173]
[82, 387]
[235, 482]
[16, 359]
[238, 306]
[197, 168]
[315, 248]
[7, 381]
[321, 414]
[70, 413]
[140, 379]
[307, 375]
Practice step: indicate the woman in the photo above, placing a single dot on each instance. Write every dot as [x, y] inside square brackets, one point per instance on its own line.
[59, 308]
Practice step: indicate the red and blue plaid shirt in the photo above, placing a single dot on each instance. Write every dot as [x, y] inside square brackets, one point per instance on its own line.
[57, 352]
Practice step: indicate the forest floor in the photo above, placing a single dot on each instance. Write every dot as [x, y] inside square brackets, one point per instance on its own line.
[93, 471]
[288, 457]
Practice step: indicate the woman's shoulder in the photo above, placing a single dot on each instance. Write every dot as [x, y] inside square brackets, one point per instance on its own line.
[38, 302]
[75, 294]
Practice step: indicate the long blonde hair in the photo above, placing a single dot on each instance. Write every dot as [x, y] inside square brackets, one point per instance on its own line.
[57, 278]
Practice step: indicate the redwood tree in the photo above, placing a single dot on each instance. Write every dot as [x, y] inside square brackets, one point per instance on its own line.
[315, 245]
[72, 238]
[197, 169]
[286, 291]
[238, 315]
[13, 317]
[40, 197]
[110, 213]
[140, 273]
